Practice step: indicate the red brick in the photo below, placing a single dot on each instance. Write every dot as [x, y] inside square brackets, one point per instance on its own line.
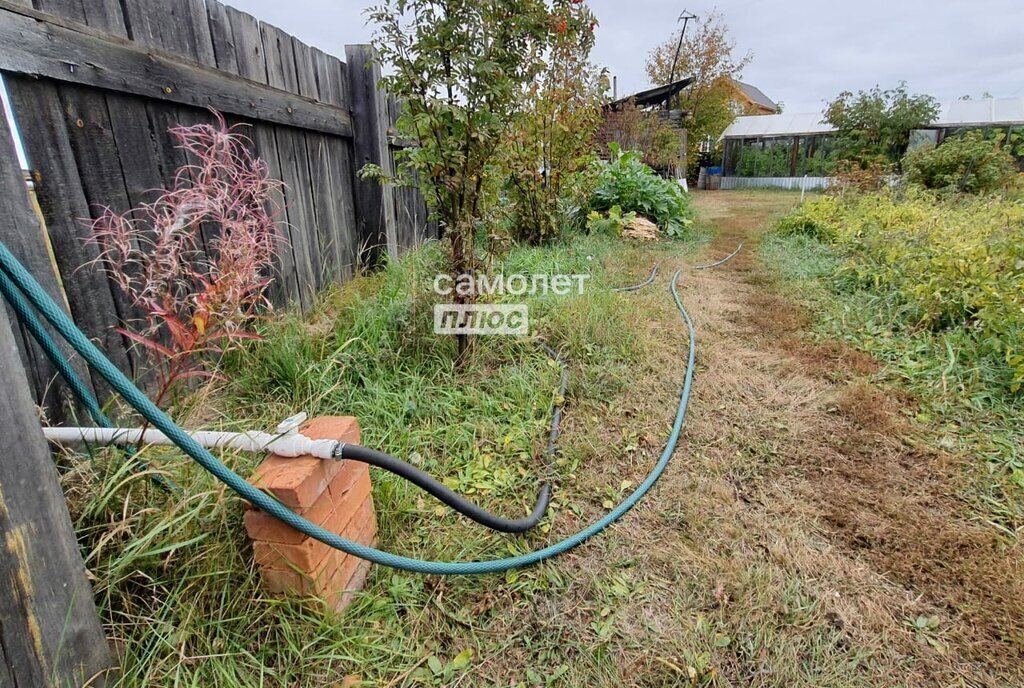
[340, 428]
[261, 526]
[334, 570]
[352, 573]
[346, 506]
[305, 555]
[304, 582]
[298, 482]
[342, 598]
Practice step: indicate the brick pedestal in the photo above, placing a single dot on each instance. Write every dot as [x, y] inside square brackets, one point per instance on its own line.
[332, 494]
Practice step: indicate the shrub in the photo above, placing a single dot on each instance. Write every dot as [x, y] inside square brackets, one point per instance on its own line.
[460, 69]
[627, 182]
[969, 163]
[866, 176]
[951, 264]
[550, 139]
[817, 218]
[612, 224]
[195, 303]
[874, 126]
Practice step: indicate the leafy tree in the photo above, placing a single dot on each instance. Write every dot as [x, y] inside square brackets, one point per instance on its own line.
[707, 54]
[460, 67]
[874, 126]
[551, 139]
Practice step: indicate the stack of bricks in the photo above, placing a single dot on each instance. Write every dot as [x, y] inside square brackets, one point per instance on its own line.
[332, 494]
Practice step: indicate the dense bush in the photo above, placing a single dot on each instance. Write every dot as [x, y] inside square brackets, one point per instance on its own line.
[636, 129]
[969, 163]
[874, 126]
[612, 223]
[625, 181]
[816, 217]
[951, 263]
[551, 138]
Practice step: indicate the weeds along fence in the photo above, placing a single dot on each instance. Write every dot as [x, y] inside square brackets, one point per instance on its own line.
[94, 87]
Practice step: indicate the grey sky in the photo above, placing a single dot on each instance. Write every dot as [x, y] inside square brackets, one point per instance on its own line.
[804, 52]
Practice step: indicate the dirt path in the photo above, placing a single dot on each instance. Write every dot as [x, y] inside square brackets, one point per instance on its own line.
[817, 540]
[801, 536]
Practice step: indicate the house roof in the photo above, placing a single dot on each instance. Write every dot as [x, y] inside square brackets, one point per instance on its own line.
[653, 96]
[755, 95]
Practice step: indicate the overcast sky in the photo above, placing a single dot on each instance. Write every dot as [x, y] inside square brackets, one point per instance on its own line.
[804, 52]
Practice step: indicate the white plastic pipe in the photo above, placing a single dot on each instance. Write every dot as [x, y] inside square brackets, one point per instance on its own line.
[290, 445]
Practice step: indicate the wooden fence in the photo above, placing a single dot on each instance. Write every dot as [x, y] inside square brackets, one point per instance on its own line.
[95, 85]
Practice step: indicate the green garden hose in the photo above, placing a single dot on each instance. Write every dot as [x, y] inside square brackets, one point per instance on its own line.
[63, 366]
[20, 278]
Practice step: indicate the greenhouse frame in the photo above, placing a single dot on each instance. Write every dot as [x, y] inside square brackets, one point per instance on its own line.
[795, 151]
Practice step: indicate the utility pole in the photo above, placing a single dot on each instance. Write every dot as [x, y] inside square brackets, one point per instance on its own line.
[685, 16]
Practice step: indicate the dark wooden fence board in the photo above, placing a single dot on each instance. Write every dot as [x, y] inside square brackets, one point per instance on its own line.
[49, 633]
[64, 204]
[222, 36]
[335, 73]
[42, 45]
[412, 219]
[375, 210]
[24, 235]
[291, 146]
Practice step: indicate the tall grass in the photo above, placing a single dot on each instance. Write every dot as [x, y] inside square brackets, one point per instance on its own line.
[173, 574]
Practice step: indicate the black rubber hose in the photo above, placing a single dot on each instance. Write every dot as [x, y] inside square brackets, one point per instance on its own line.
[372, 457]
[635, 287]
[444, 494]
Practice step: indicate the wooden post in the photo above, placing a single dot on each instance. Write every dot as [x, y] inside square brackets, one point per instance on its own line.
[49, 633]
[375, 206]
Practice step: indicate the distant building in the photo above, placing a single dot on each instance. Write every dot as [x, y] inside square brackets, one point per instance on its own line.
[641, 122]
[958, 116]
[750, 100]
[798, 150]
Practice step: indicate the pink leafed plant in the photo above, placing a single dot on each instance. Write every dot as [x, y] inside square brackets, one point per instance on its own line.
[196, 302]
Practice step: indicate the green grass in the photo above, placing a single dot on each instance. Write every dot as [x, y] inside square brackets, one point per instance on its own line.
[173, 575]
[964, 404]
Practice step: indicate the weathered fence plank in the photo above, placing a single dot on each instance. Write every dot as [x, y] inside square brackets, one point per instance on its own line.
[333, 73]
[375, 209]
[291, 148]
[50, 634]
[22, 233]
[412, 220]
[59, 189]
[41, 45]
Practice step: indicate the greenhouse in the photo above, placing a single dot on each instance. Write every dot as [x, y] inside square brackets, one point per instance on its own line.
[787, 150]
[995, 116]
[796, 151]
